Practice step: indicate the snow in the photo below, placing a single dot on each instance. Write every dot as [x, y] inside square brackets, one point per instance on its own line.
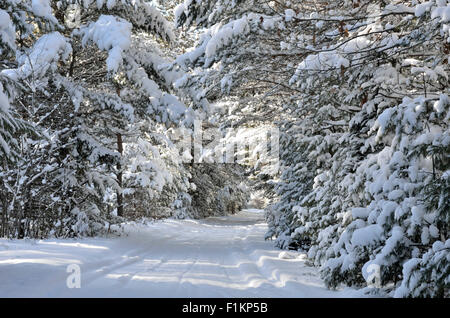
[289, 14]
[398, 8]
[215, 257]
[408, 267]
[441, 12]
[439, 106]
[390, 246]
[42, 8]
[367, 269]
[100, 3]
[7, 31]
[422, 8]
[290, 255]
[367, 235]
[411, 269]
[110, 4]
[4, 119]
[175, 109]
[321, 61]
[111, 34]
[384, 118]
[179, 10]
[220, 35]
[361, 213]
[434, 232]
[49, 49]
[4, 102]
[223, 35]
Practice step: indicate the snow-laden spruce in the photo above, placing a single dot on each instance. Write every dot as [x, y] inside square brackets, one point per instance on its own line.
[90, 105]
[87, 109]
[381, 207]
[363, 113]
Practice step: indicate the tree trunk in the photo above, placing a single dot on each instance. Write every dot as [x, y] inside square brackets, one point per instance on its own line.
[119, 176]
[4, 217]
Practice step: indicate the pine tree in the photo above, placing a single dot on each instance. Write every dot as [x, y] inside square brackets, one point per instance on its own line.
[363, 116]
[106, 102]
[71, 176]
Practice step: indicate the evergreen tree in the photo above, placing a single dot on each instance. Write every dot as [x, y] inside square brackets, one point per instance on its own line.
[363, 114]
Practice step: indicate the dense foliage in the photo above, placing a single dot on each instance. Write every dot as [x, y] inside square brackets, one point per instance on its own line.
[359, 90]
[87, 113]
[92, 93]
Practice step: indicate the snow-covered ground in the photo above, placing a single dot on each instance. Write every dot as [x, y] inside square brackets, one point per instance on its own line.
[215, 257]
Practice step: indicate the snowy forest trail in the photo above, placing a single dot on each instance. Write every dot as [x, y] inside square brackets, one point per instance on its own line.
[214, 257]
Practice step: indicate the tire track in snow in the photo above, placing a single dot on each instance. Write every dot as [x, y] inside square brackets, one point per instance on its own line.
[133, 257]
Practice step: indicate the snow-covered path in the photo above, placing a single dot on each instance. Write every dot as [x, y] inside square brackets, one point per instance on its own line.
[215, 257]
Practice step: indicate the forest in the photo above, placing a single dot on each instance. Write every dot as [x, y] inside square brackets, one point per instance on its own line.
[330, 116]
